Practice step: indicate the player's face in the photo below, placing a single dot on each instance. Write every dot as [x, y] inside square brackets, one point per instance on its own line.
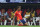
[19, 8]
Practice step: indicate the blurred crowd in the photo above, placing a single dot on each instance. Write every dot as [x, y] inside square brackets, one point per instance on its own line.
[32, 16]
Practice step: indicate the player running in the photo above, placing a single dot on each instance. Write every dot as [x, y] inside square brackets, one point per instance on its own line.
[19, 17]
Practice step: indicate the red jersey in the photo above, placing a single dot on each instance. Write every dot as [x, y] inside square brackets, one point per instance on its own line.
[18, 15]
[9, 12]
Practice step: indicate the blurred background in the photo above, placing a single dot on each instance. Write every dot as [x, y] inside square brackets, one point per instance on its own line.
[19, 1]
[30, 11]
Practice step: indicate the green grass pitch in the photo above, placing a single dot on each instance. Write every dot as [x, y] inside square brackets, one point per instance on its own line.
[17, 26]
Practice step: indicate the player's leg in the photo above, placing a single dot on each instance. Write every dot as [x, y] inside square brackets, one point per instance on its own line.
[0, 19]
[20, 24]
[25, 19]
[26, 24]
[34, 21]
[31, 21]
[15, 21]
[11, 20]
[39, 20]
[5, 20]
[23, 22]
[28, 20]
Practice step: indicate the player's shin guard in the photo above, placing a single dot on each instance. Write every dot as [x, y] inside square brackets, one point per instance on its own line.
[11, 22]
[31, 23]
[39, 22]
[1, 23]
[17, 23]
[34, 23]
[5, 22]
[28, 22]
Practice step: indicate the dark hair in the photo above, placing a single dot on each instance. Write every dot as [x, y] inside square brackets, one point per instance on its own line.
[18, 7]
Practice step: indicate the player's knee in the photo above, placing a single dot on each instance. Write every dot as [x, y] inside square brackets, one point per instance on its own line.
[21, 23]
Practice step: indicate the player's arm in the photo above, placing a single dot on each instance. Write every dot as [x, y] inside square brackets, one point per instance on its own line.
[14, 17]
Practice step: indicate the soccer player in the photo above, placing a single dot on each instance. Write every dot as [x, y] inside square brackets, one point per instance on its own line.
[5, 18]
[12, 16]
[20, 20]
[9, 15]
[33, 17]
[2, 15]
[0, 18]
[27, 16]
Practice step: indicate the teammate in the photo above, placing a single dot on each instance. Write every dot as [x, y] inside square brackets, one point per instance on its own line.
[0, 18]
[27, 16]
[19, 17]
[2, 15]
[5, 18]
[32, 17]
[12, 16]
